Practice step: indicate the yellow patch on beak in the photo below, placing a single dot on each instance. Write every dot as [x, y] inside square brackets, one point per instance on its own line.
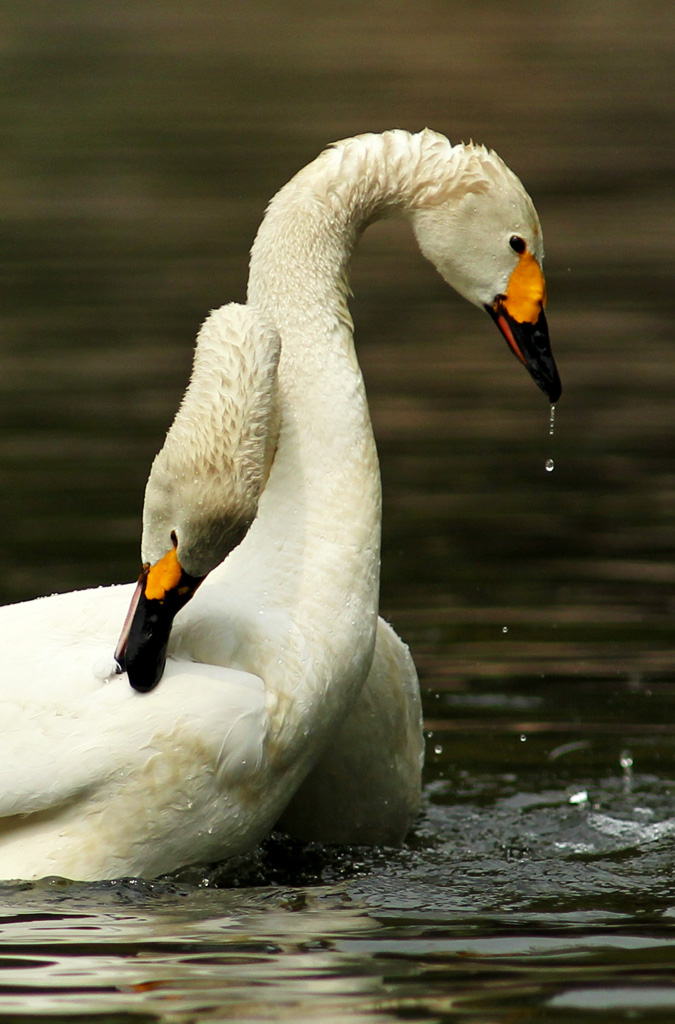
[163, 576]
[526, 291]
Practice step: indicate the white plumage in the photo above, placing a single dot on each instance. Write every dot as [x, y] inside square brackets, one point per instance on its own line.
[284, 698]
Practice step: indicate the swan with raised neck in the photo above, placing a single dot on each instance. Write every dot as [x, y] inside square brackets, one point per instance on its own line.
[306, 576]
[284, 695]
[475, 222]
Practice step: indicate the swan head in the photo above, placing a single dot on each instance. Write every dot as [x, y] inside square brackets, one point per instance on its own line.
[179, 551]
[185, 536]
[482, 234]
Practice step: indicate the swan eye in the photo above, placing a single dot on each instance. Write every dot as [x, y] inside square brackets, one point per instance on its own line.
[174, 538]
[517, 244]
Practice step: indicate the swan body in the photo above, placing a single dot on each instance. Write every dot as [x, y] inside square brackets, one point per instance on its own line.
[278, 695]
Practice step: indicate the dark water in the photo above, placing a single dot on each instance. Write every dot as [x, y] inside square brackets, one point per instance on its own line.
[139, 144]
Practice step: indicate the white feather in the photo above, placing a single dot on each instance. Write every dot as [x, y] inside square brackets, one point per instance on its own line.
[284, 694]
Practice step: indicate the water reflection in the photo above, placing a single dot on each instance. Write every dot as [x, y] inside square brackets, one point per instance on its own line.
[191, 951]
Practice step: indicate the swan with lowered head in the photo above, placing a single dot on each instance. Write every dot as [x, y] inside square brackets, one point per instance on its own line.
[284, 697]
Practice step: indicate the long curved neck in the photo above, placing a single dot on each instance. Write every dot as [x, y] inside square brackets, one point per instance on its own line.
[314, 547]
[301, 253]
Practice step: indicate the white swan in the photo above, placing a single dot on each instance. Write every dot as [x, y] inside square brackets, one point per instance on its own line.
[284, 696]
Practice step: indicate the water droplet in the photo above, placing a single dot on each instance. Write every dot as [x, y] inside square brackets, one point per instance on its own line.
[551, 422]
[505, 629]
[523, 738]
[626, 762]
[438, 749]
[549, 464]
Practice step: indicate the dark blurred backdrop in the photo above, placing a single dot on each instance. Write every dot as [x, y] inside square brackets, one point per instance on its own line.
[140, 143]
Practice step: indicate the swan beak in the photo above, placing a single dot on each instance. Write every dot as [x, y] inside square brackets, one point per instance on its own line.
[162, 590]
[529, 342]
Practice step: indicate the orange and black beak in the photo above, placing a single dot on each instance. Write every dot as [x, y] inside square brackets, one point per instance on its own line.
[162, 590]
[520, 317]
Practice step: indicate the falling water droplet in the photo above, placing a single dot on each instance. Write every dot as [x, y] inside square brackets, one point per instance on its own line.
[438, 749]
[626, 762]
[550, 464]
[505, 629]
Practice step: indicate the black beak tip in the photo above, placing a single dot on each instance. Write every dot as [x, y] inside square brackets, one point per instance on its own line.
[142, 683]
[530, 344]
[551, 387]
[143, 673]
[141, 651]
[554, 392]
[146, 667]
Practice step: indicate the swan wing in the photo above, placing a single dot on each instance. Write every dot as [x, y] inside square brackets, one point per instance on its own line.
[97, 780]
[207, 719]
[366, 787]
